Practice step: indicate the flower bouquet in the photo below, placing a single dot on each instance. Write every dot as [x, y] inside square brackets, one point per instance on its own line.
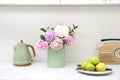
[54, 40]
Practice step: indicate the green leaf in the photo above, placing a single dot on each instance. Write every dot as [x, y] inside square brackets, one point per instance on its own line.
[79, 65]
[42, 37]
[52, 28]
[70, 30]
[108, 69]
[74, 27]
[48, 27]
[42, 29]
[64, 42]
[79, 68]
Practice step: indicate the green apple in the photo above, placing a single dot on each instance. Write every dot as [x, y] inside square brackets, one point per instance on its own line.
[94, 60]
[90, 67]
[100, 67]
[84, 63]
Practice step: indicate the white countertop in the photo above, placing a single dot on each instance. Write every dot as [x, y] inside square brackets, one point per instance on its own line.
[40, 71]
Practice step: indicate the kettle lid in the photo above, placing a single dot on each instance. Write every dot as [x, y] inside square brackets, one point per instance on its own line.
[21, 42]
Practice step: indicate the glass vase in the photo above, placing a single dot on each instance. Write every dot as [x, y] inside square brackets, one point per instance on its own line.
[56, 58]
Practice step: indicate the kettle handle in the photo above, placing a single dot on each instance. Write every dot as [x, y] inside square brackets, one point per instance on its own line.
[34, 54]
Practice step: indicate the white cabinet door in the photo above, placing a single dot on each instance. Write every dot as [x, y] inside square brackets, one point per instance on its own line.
[113, 1]
[30, 2]
[77, 2]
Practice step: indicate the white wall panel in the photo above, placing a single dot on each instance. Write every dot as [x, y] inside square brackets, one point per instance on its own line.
[96, 22]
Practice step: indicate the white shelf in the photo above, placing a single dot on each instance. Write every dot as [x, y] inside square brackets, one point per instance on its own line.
[39, 71]
[29, 2]
[113, 2]
[59, 2]
[82, 2]
[90, 2]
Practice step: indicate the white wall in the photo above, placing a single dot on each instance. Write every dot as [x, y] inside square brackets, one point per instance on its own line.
[24, 22]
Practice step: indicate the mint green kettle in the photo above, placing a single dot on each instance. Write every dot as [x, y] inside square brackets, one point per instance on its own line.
[22, 54]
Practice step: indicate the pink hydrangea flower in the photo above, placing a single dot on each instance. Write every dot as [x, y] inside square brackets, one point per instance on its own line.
[69, 39]
[43, 45]
[50, 35]
[56, 44]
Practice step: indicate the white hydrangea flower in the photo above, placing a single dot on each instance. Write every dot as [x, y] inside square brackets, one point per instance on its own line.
[61, 30]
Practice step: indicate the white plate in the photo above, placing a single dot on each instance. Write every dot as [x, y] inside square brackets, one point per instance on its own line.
[95, 72]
